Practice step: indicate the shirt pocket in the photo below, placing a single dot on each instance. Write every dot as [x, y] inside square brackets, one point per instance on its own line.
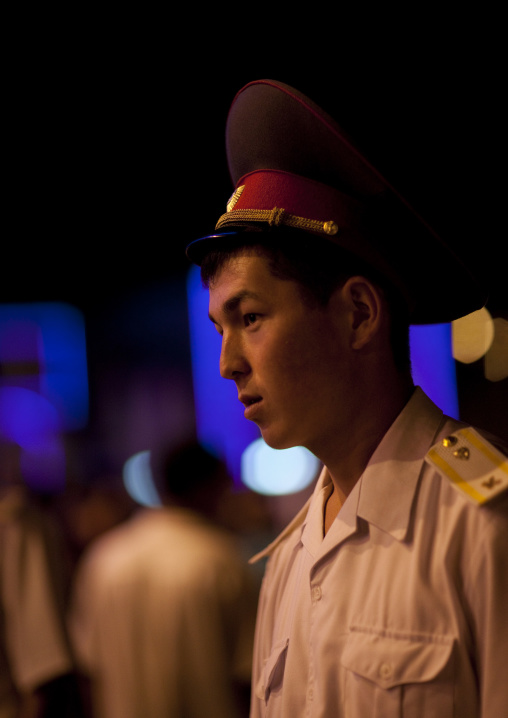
[272, 675]
[399, 674]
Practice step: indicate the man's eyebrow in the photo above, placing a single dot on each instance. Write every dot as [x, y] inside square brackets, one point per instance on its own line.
[231, 304]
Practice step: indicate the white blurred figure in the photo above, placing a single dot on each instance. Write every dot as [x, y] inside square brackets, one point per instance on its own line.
[164, 609]
[36, 668]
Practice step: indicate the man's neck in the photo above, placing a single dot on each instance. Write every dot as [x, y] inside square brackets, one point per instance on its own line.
[348, 461]
[332, 507]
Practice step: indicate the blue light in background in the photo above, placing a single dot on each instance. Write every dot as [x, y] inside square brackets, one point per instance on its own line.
[50, 336]
[26, 416]
[433, 365]
[66, 376]
[43, 385]
[220, 423]
[219, 414]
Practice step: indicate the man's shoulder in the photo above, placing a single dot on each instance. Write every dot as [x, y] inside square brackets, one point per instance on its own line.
[473, 462]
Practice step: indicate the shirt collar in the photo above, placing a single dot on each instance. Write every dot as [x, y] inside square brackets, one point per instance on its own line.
[384, 493]
[298, 521]
[389, 482]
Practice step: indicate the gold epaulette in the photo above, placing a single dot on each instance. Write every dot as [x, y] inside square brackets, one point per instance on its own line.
[474, 466]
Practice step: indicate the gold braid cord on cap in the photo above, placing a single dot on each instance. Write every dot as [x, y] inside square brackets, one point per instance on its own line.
[275, 218]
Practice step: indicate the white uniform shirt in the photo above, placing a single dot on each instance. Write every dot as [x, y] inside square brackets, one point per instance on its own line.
[401, 610]
[163, 618]
[33, 647]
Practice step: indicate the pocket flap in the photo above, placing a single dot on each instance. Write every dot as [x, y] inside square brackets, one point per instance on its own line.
[390, 658]
[273, 670]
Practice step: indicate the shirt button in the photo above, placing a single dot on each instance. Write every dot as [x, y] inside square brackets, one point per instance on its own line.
[316, 593]
[385, 671]
[310, 694]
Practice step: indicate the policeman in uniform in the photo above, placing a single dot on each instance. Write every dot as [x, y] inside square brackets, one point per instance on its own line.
[386, 595]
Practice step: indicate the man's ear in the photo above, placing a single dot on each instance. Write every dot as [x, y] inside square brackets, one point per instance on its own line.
[366, 310]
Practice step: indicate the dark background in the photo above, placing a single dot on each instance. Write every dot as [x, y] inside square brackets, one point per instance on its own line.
[115, 161]
[116, 150]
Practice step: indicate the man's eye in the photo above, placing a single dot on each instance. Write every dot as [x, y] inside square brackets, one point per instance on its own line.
[250, 318]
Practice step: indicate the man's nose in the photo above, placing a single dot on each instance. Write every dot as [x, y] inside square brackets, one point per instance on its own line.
[232, 357]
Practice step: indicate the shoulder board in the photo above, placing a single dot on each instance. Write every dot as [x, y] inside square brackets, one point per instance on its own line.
[474, 466]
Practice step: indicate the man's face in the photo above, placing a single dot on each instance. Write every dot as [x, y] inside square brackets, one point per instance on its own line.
[289, 360]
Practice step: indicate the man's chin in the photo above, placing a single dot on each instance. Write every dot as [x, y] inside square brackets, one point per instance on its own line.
[276, 441]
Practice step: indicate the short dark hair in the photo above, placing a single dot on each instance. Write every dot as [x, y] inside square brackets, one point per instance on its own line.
[319, 267]
[188, 472]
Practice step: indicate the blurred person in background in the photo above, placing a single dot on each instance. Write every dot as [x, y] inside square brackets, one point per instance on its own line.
[163, 611]
[88, 509]
[37, 678]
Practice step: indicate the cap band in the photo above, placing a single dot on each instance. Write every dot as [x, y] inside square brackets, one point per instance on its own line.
[282, 198]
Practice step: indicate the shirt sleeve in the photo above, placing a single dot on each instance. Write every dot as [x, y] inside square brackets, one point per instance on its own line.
[486, 588]
[35, 638]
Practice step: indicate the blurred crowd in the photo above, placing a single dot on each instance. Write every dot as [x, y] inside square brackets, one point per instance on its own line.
[109, 609]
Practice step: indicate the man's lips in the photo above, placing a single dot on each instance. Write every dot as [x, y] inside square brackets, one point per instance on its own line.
[248, 399]
[250, 403]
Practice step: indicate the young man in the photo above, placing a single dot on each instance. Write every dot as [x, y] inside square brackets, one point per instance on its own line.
[385, 595]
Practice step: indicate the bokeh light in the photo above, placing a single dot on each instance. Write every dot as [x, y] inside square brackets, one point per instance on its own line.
[138, 480]
[472, 336]
[277, 472]
[43, 386]
[32, 422]
[496, 359]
